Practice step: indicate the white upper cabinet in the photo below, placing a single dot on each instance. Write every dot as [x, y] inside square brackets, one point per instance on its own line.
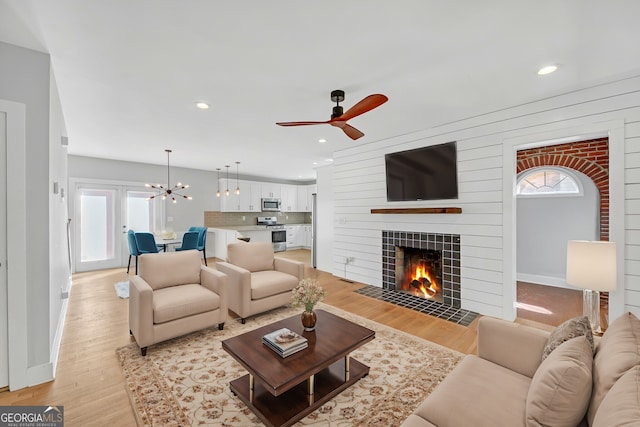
[271, 190]
[247, 201]
[289, 198]
[305, 198]
[294, 198]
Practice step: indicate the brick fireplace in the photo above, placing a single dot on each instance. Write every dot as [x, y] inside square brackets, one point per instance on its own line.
[441, 251]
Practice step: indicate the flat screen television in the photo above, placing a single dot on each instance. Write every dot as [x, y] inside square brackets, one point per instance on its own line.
[427, 173]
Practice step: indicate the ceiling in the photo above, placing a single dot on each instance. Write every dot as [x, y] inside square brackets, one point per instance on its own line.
[130, 71]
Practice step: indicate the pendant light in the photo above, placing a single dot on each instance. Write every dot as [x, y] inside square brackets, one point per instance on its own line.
[168, 191]
[218, 193]
[237, 182]
[227, 190]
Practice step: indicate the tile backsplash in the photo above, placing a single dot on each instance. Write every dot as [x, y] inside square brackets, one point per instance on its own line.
[225, 219]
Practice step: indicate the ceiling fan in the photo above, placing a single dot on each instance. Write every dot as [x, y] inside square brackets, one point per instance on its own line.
[339, 119]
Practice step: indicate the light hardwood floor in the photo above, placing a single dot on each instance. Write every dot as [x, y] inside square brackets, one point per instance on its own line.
[90, 384]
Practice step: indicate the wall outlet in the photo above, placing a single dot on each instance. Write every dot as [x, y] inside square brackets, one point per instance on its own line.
[286, 217]
[244, 218]
[169, 219]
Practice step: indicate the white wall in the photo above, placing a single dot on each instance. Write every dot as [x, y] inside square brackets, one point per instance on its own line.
[485, 191]
[546, 223]
[26, 80]
[324, 219]
[60, 271]
[185, 213]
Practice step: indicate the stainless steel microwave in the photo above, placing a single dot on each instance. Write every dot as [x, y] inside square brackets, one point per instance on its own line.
[270, 205]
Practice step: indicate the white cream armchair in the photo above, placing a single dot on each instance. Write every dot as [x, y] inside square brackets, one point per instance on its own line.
[174, 294]
[258, 281]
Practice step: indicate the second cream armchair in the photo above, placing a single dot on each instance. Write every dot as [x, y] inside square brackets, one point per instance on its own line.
[258, 281]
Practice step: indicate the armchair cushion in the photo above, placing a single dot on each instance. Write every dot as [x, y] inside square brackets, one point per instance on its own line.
[176, 302]
[257, 256]
[170, 269]
[271, 282]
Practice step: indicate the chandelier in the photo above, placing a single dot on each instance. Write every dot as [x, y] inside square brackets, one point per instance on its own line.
[167, 191]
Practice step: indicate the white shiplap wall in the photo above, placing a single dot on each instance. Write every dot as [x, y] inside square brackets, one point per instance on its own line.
[486, 225]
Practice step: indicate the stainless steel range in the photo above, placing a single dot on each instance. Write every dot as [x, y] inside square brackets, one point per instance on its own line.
[278, 232]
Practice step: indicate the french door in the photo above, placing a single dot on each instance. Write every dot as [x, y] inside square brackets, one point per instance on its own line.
[103, 214]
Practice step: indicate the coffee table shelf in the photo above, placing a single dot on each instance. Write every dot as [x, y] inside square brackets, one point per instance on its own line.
[293, 405]
[285, 390]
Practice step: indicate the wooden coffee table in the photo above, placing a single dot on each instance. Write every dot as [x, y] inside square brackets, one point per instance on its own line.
[282, 391]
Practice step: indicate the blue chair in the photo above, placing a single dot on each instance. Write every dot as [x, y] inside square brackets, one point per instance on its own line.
[189, 241]
[202, 241]
[146, 243]
[133, 249]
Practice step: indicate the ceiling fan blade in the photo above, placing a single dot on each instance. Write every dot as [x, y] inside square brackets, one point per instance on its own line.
[367, 104]
[301, 123]
[351, 132]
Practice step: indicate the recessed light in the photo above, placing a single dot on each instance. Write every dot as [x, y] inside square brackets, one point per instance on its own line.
[202, 105]
[315, 163]
[329, 160]
[322, 140]
[547, 70]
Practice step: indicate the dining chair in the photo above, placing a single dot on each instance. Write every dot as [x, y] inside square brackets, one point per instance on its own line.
[202, 241]
[146, 243]
[133, 249]
[189, 241]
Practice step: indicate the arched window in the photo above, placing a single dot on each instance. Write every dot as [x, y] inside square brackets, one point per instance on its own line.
[548, 181]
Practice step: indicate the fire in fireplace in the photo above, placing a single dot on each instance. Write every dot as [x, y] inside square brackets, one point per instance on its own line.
[419, 272]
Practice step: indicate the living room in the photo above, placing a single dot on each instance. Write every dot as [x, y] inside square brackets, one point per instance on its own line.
[488, 137]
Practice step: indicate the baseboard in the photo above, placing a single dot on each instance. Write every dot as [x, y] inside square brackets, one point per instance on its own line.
[39, 374]
[57, 339]
[556, 282]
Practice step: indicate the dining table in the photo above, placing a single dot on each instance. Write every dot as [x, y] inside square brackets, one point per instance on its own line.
[167, 243]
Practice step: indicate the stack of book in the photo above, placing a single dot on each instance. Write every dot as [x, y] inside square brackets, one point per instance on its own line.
[285, 342]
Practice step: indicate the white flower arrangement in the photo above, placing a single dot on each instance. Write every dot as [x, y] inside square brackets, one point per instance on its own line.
[307, 294]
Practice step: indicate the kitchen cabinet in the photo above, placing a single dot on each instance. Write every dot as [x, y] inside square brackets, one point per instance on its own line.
[307, 236]
[247, 201]
[292, 232]
[289, 198]
[269, 189]
[305, 198]
[258, 236]
[221, 239]
[250, 195]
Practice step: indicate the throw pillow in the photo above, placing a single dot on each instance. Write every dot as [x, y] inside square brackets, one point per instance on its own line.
[571, 328]
[561, 387]
[618, 351]
[621, 406]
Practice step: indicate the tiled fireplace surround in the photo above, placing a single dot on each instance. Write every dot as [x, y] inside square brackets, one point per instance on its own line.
[449, 246]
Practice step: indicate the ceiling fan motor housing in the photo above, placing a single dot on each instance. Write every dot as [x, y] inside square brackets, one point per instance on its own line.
[337, 95]
[337, 112]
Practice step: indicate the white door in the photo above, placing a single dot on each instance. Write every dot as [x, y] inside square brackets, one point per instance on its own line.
[4, 347]
[103, 214]
[98, 227]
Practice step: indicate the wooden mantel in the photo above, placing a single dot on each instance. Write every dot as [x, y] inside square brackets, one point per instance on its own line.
[417, 211]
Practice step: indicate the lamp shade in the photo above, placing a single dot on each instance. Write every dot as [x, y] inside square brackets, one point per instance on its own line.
[591, 265]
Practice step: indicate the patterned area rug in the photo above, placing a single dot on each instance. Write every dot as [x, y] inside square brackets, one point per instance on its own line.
[185, 381]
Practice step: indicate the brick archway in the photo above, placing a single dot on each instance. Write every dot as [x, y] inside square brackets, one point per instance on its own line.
[589, 157]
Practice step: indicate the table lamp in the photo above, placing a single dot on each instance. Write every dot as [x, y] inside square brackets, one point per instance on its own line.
[592, 267]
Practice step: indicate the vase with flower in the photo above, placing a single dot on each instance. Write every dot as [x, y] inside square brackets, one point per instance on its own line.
[307, 294]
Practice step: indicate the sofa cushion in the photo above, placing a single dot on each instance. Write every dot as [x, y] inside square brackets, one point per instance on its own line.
[176, 302]
[475, 394]
[267, 283]
[255, 256]
[617, 352]
[561, 387]
[621, 406]
[571, 328]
